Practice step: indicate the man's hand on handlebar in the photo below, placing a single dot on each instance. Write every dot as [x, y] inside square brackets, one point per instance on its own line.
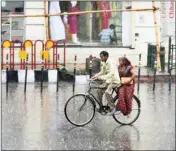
[94, 78]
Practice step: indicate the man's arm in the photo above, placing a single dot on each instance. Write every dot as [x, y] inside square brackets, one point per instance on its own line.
[112, 72]
[100, 34]
[113, 36]
[100, 73]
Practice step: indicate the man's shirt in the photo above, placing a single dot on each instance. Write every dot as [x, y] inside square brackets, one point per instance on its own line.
[109, 72]
[106, 35]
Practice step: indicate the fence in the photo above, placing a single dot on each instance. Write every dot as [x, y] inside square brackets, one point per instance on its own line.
[49, 49]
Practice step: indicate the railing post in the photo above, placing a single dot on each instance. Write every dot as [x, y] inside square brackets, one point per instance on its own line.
[7, 75]
[58, 71]
[90, 66]
[25, 83]
[139, 72]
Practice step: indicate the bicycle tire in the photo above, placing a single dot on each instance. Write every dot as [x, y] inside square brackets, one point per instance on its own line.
[92, 103]
[139, 111]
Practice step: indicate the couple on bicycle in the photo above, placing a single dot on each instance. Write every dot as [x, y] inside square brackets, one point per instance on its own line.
[112, 76]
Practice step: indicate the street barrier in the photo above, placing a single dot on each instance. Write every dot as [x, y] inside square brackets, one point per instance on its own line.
[49, 59]
[50, 49]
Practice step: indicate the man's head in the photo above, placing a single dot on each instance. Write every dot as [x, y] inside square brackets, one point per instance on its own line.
[104, 56]
[112, 26]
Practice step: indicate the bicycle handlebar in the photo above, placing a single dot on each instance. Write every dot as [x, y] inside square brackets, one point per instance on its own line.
[98, 85]
[92, 81]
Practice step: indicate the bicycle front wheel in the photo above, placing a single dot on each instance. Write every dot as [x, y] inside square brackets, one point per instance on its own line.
[79, 110]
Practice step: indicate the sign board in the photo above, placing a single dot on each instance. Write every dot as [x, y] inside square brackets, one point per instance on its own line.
[168, 17]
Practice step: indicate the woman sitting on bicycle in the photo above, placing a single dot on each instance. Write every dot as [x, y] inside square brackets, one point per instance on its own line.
[125, 94]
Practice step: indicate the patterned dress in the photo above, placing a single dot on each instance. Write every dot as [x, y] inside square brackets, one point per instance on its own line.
[126, 92]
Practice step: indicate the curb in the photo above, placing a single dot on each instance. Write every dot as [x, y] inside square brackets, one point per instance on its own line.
[50, 76]
[159, 78]
[35, 76]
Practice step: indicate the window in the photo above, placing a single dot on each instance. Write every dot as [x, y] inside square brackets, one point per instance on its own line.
[12, 28]
[85, 29]
[91, 25]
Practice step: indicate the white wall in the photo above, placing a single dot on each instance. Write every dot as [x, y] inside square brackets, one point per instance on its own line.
[126, 25]
[35, 28]
[144, 26]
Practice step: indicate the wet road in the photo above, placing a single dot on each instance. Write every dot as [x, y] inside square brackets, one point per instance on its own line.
[38, 122]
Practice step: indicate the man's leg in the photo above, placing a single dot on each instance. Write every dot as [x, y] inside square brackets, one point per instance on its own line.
[100, 94]
[108, 94]
[101, 91]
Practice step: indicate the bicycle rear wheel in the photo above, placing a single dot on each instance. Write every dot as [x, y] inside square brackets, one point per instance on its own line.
[79, 110]
[132, 117]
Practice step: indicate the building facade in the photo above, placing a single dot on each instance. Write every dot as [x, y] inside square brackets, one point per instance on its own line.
[133, 30]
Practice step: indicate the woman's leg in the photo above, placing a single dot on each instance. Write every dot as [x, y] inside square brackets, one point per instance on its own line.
[121, 105]
[129, 98]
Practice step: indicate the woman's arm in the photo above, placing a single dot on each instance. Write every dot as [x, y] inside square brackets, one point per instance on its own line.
[132, 71]
[130, 79]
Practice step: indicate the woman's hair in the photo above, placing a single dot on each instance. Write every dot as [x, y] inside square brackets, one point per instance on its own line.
[125, 61]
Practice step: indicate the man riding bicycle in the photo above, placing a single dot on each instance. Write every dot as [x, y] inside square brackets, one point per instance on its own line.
[109, 78]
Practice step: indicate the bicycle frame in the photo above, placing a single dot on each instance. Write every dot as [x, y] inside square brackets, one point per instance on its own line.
[93, 98]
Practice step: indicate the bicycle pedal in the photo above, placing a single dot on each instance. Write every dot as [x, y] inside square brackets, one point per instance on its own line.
[97, 110]
[103, 113]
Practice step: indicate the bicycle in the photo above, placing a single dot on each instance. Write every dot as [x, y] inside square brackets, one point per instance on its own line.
[89, 99]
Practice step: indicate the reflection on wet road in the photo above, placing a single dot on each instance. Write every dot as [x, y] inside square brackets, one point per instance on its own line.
[37, 121]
